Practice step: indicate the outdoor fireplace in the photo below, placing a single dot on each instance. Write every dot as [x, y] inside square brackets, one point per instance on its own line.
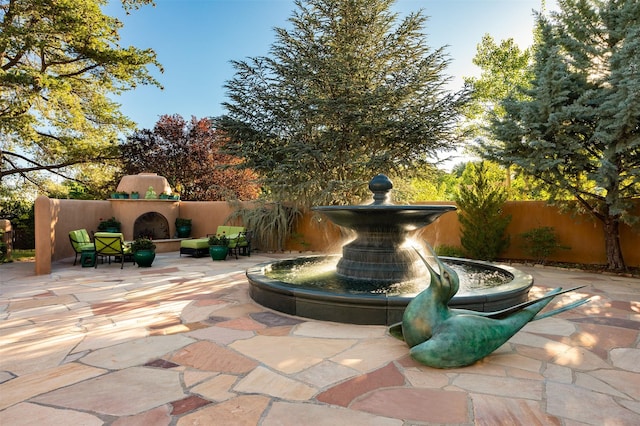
[153, 217]
[152, 225]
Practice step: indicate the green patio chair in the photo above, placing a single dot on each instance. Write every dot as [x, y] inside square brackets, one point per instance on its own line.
[234, 234]
[80, 241]
[109, 244]
[241, 244]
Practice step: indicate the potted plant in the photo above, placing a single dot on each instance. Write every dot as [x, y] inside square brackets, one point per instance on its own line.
[135, 195]
[151, 194]
[218, 246]
[124, 195]
[144, 251]
[109, 225]
[183, 227]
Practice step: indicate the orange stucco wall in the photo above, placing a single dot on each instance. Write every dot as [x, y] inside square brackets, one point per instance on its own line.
[205, 216]
[55, 218]
[581, 233]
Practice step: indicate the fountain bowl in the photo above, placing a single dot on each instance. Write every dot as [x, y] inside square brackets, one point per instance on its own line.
[375, 308]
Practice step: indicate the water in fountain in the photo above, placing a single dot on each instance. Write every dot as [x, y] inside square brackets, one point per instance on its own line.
[320, 273]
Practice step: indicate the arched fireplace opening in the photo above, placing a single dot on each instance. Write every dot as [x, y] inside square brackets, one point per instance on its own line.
[152, 225]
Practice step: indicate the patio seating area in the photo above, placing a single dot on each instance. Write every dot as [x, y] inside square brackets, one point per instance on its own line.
[181, 343]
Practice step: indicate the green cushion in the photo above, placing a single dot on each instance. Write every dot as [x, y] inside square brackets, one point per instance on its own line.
[86, 246]
[232, 233]
[80, 239]
[105, 244]
[195, 243]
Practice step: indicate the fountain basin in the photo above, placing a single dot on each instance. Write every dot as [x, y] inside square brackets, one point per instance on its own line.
[375, 308]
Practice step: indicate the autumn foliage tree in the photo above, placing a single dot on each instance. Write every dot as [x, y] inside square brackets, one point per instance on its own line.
[187, 154]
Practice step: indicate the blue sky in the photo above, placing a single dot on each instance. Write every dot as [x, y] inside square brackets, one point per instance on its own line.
[196, 39]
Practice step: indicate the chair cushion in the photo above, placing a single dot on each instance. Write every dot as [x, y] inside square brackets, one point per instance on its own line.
[80, 239]
[86, 246]
[195, 243]
[242, 241]
[232, 233]
[106, 247]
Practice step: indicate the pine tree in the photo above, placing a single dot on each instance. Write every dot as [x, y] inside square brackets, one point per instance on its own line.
[579, 131]
[482, 221]
[60, 63]
[348, 92]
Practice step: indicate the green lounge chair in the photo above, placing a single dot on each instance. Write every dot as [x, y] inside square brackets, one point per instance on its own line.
[237, 236]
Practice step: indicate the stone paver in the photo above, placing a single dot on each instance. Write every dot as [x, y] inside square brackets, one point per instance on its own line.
[263, 380]
[40, 415]
[208, 356]
[119, 393]
[422, 405]
[244, 410]
[182, 343]
[24, 387]
[217, 388]
[135, 352]
[290, 414]
[298, 353]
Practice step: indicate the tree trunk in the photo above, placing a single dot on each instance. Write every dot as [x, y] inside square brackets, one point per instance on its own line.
[611, 228]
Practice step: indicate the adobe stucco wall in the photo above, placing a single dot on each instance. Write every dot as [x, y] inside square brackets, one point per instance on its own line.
[581, 233]
[205, 216]
[55, 218]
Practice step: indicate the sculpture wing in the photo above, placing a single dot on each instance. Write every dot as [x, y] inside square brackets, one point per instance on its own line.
[515, 308]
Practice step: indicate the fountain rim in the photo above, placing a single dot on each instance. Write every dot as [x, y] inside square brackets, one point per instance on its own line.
[407, 207]
[374, 309]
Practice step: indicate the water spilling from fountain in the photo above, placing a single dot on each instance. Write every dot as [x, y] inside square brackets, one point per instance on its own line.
[379, 271]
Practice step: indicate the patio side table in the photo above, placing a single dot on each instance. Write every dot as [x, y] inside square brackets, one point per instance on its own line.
[88, 258]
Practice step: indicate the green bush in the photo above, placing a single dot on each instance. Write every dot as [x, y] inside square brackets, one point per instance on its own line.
[541, 243]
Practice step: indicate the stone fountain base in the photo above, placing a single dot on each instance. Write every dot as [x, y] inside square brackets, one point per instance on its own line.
[374, 309]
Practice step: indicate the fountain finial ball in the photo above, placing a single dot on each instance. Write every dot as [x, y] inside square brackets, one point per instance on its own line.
[380, 185]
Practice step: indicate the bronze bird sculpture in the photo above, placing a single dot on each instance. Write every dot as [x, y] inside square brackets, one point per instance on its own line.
[442, 337]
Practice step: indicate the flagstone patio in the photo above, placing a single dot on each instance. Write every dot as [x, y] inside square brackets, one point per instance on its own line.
[181, 343]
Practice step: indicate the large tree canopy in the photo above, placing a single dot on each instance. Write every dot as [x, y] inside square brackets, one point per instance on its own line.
[187, 154]
[579, 131]
[60, 60]
[505, 71]
[347, 92]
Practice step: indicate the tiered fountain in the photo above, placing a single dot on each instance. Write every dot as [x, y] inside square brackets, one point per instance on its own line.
[379, 271]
